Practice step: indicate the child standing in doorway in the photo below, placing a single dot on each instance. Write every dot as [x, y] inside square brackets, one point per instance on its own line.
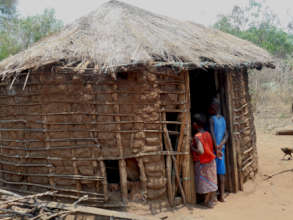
[204, 161]
[220, 136]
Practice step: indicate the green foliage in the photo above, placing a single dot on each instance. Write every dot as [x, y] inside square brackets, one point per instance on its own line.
[8, 45]
[258, 24]
[18, 33]
[7, 8]
[33, 28]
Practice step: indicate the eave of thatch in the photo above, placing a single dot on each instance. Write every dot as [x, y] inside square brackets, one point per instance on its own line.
[118, 34]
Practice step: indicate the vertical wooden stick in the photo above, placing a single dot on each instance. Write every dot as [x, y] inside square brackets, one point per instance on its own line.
[187, 167]
[170, 148]
[76, 172]
[105, 182]
[168, 166]
[95, 165]
[183, 118]
[74, 164]
[123, 180]
[142, 177]
[233, 159]
[122, 163]
[94, 135]
[180, 143]
[51, 168]
[223, 97]
[1, 166]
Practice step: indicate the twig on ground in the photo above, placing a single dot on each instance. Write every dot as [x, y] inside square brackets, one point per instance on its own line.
[63, 214]
[278, 173]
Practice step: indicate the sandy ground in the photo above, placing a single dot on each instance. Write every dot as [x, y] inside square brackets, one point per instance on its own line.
[270, 199]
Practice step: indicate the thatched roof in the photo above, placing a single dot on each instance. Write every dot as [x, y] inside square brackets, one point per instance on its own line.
[118, 34]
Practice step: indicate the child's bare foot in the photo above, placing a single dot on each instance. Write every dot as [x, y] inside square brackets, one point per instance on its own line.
[207, 204]
[210, 204]
[221, 199]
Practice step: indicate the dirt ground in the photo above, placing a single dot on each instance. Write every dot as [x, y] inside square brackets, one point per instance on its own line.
[262, 198]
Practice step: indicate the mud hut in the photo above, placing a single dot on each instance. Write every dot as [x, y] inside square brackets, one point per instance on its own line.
[103, 108]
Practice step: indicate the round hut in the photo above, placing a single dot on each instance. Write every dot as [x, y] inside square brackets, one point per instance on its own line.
[103, 107]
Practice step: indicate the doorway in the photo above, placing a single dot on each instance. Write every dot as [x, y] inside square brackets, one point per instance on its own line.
[205, 85]
[202, 90]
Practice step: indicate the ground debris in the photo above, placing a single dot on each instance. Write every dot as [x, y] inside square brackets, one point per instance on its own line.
[14, 206]
[267, 177]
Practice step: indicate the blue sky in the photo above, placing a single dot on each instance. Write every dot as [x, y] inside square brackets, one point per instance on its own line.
[200, 11]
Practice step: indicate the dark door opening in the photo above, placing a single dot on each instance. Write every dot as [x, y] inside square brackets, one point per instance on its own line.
[204, 87]
[112, 169]
[202, 90]
[113, 179]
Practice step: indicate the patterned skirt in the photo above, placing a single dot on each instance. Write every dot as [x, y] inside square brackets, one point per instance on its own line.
[205, 177]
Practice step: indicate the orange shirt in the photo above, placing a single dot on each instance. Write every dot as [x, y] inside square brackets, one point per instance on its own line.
[207, 142]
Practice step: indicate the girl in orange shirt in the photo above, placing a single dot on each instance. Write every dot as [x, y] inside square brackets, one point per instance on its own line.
[204, 161]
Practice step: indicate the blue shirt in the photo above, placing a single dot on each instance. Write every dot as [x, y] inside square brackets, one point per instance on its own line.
[219, 128]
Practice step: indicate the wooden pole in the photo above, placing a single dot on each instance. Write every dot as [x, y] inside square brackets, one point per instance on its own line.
[187, 164]
[75, 167]
[233, 136]
[105, 182]
[142, 177]
[96, 211]
[179, 149]
[180, 141]
[170, 148]
[169, 168]
[1, 166]
[97, 171]
[221, 77]
[51, 168]
[182, 117]
[122, 163]
[284, 132]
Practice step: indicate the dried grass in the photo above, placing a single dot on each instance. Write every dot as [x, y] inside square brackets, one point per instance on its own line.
[271, 93]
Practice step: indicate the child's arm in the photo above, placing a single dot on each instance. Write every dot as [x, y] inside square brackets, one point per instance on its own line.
[196, 146]
[217, 149]
[214, 137]
[213, 131]
[225, 139]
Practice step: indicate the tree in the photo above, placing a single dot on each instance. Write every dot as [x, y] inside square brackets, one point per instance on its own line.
[7, 17]
[17, 33]
[7, 8]
[31, 29]
[258, 24]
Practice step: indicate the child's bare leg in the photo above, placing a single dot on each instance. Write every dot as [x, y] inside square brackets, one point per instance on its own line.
[207, 199]
[213, 197]
[221, 179]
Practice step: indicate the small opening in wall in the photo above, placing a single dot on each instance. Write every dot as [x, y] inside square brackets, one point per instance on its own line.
[112, 169]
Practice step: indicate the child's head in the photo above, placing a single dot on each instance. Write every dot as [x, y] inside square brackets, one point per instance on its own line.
[199, 121]
[214, 107]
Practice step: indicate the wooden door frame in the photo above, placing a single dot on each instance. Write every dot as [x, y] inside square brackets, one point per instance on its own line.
[223, 80]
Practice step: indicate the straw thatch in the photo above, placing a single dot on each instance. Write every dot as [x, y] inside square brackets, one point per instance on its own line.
[120, 34]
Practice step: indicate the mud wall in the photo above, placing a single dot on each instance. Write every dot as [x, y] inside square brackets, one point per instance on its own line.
[56, 133]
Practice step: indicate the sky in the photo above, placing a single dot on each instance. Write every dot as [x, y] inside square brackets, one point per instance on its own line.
[200, 11]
